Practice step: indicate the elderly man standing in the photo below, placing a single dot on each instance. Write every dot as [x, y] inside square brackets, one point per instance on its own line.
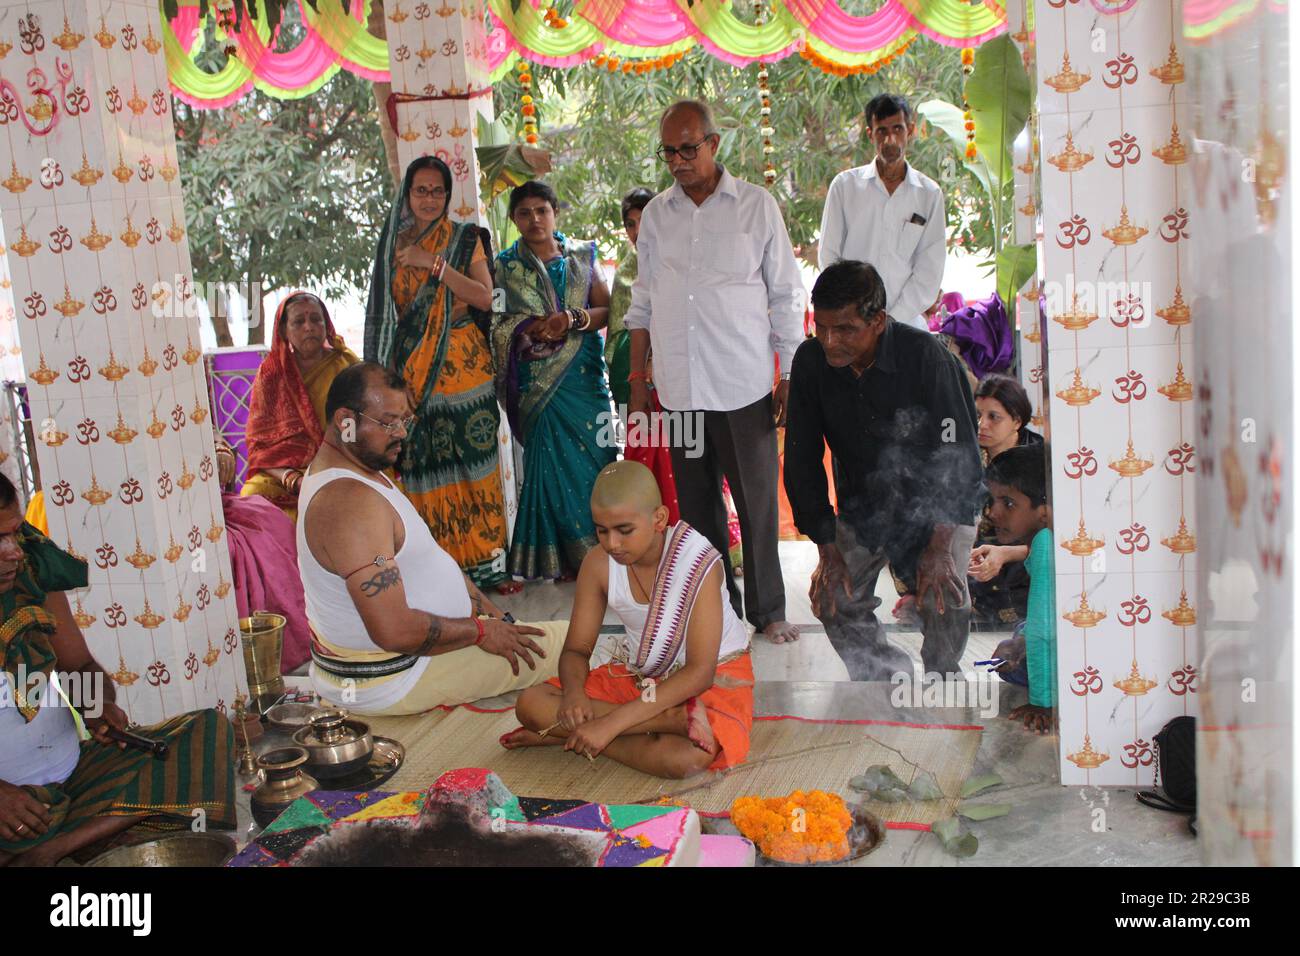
[888, 214]
[718, 294]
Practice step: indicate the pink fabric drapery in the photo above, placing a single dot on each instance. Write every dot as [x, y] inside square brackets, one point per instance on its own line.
[264, 564]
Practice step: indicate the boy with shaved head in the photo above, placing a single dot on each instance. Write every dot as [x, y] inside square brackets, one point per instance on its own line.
[678, 696]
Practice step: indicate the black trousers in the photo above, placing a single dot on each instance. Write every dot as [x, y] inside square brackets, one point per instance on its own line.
[740, 445]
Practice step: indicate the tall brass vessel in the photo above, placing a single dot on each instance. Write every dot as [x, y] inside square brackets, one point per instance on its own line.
[262, 637]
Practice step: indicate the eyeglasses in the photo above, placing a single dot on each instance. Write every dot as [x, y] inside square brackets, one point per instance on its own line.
[391, 427]
[427, 192]
[686, 151]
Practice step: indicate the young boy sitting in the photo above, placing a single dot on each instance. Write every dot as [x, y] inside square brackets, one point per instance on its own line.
[1020, 514]
[678, 696]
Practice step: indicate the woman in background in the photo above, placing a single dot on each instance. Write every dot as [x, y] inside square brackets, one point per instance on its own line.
[551, 381]
[431, 279]
[286, 412]
[999, 583]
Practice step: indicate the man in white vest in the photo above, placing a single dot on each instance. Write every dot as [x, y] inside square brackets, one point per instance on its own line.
[396, 627]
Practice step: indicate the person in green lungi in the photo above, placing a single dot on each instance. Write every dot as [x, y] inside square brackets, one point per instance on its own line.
[617, 338]
[59, 793]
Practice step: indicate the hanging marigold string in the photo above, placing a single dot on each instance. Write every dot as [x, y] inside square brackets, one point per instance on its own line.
[765, 107]
[527, 105]
[832, 68]
[968, 67]
[613, 64]
[553, 19]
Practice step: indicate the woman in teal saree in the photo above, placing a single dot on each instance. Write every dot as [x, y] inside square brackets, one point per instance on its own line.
[550, 377]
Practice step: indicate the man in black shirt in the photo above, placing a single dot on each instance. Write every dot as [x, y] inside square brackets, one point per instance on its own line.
[898, 415]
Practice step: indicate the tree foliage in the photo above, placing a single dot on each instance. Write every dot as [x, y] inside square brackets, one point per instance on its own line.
[293, 192]
[284, 192]
[602, 128]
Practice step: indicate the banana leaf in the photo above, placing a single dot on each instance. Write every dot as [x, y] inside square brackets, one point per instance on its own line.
[1016, 265]
[947, 117]
[998, 92]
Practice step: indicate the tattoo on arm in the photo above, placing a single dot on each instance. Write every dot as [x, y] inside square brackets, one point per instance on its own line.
[431, 637]
[381, 582]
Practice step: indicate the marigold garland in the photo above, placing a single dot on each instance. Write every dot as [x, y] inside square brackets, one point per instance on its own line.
[968, 67]
[553, 19]
[765, 110]
[614, 65]
[839, 69]
[528, 107]
[803, 827]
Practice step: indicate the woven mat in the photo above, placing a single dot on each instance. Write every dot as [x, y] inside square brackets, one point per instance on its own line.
[786, 753]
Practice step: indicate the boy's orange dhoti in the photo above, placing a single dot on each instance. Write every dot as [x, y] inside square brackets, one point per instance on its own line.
[724, 713]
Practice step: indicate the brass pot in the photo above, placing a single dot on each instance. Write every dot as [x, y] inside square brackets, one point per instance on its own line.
[284, 782]
[179, 849]
[262, 638]
[336, 744]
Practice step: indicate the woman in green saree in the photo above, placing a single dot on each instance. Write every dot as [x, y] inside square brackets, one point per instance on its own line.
[550, 377]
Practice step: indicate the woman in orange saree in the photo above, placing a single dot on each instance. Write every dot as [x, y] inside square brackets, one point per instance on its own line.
[286, 413]
[429, 273]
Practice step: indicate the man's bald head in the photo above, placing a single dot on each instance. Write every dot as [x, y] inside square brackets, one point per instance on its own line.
[687, 110]
[626, 484]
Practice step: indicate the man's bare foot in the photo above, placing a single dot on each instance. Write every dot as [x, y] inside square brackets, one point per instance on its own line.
[778, 632]
[523, 737]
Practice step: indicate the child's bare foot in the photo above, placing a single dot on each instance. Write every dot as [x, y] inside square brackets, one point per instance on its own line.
[523, 737]
[1036, 719]
[778, 632]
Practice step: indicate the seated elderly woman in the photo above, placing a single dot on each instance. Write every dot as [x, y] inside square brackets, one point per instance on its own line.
[286, 415]
[59, 793]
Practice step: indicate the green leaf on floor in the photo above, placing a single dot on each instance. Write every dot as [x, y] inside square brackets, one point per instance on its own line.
[983, 811]
[878, 777]
[925, 787]
[889, 795]
[956, 839]
[975, 784]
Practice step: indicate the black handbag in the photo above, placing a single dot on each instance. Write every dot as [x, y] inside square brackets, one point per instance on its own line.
[1175, 768]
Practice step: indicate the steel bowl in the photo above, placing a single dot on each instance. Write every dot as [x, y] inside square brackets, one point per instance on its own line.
[336, 744]
[179, 849]
[291, 717]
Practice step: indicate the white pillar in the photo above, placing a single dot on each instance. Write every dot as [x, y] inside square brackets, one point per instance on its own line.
[1115, 192]
[94, 223]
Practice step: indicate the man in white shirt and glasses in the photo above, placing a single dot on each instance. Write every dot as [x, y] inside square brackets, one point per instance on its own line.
[889, 215]
[717, 296]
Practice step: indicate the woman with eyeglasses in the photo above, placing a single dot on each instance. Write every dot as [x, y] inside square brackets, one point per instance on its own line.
[286, 409]
[551, 381]
[430, 282]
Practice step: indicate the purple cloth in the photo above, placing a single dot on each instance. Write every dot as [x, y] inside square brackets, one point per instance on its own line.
[264, 559]
[982, 335]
